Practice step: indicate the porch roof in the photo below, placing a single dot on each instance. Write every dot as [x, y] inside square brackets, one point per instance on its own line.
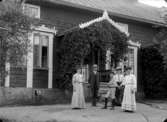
[100, 19]
[104, 17]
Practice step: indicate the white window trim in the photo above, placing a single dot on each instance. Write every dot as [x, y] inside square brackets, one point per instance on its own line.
[51, 32]
[135, 59]
[34, 6]
[40, 52]
[7, 78]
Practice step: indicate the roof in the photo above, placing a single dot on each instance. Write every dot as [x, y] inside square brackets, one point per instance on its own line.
[105, 17]
[130, 9]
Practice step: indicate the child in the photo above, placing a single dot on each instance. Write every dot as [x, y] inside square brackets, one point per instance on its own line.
[111, 92]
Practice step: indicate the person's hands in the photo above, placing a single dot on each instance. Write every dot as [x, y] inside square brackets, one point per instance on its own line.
[74, 89]
[133, 91]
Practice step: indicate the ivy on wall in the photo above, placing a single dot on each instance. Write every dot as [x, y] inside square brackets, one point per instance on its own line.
[80, 43]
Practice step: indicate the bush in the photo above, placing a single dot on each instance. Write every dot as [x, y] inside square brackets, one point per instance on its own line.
[154, 77]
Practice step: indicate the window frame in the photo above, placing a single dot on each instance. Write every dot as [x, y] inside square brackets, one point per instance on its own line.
[40, 50]
[32, 6]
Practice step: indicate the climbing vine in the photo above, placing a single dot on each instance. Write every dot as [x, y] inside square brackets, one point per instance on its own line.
[78, 44]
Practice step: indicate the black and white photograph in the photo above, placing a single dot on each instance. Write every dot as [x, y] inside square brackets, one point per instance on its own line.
[83, 60]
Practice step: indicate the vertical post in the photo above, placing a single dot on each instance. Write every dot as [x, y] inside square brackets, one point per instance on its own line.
[108, 59]
[50, 62]
[99, 67]
[30, 64]
[135, 62]
[7, 78]
[135, 49]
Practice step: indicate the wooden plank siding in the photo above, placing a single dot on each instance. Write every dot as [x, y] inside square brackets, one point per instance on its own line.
[18, 76]
[40, 78]
[63, 18]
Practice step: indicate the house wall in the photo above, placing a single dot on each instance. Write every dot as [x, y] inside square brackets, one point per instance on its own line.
[66, 18]
[18, 76]
[63, 18]
[40, 78]
[142, 33]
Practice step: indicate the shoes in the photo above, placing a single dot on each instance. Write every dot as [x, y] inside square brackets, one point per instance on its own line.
[94, 104]
[105, 103]
[104, 107]
[112, 108]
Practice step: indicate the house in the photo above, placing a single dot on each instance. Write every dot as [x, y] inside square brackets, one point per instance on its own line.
[138, 20]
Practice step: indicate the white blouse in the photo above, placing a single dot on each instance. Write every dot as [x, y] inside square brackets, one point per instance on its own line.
[77, 78]
[130, 80]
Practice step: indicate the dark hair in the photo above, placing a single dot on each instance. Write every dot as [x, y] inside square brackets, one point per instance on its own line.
[78, 67]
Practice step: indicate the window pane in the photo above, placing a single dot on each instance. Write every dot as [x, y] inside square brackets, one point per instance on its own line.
[36, 39]
[131, 58]
[36, 51]
[44, 56]
[45, 40]
[36, 56]
[32, 11]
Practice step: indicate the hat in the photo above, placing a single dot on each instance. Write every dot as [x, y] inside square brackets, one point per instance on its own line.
[128, 68]
[118, 68]
[95, 65]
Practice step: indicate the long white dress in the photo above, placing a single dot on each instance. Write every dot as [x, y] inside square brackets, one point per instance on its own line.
[78, 99]
[129, 100]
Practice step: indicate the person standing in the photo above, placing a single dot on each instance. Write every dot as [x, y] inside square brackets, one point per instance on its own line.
[129, 100]
[78, 99]
[111, 92]
[94, 84]
[118, 78]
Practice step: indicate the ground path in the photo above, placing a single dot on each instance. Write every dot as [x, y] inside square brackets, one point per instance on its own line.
[63, 113]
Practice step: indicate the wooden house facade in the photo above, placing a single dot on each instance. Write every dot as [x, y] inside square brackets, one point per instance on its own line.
[140, 21]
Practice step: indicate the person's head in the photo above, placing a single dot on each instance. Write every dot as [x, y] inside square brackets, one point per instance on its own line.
[78, 69]
[95, 68]
[118, 70]
[128, 70]
[111, 74]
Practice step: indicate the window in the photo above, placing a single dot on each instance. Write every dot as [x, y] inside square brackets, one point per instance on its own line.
[131, 58]
[41, 50]
[85, 72]
[31, 10]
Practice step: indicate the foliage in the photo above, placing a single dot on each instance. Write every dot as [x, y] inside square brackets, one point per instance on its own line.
[80, 43]
[153, 73]
[14, 41]
[161, 43]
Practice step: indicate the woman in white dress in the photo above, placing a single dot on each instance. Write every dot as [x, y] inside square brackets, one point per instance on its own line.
[129, 100]
[78, 99]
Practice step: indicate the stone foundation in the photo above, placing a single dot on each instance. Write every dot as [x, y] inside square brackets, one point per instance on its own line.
[29, 96]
